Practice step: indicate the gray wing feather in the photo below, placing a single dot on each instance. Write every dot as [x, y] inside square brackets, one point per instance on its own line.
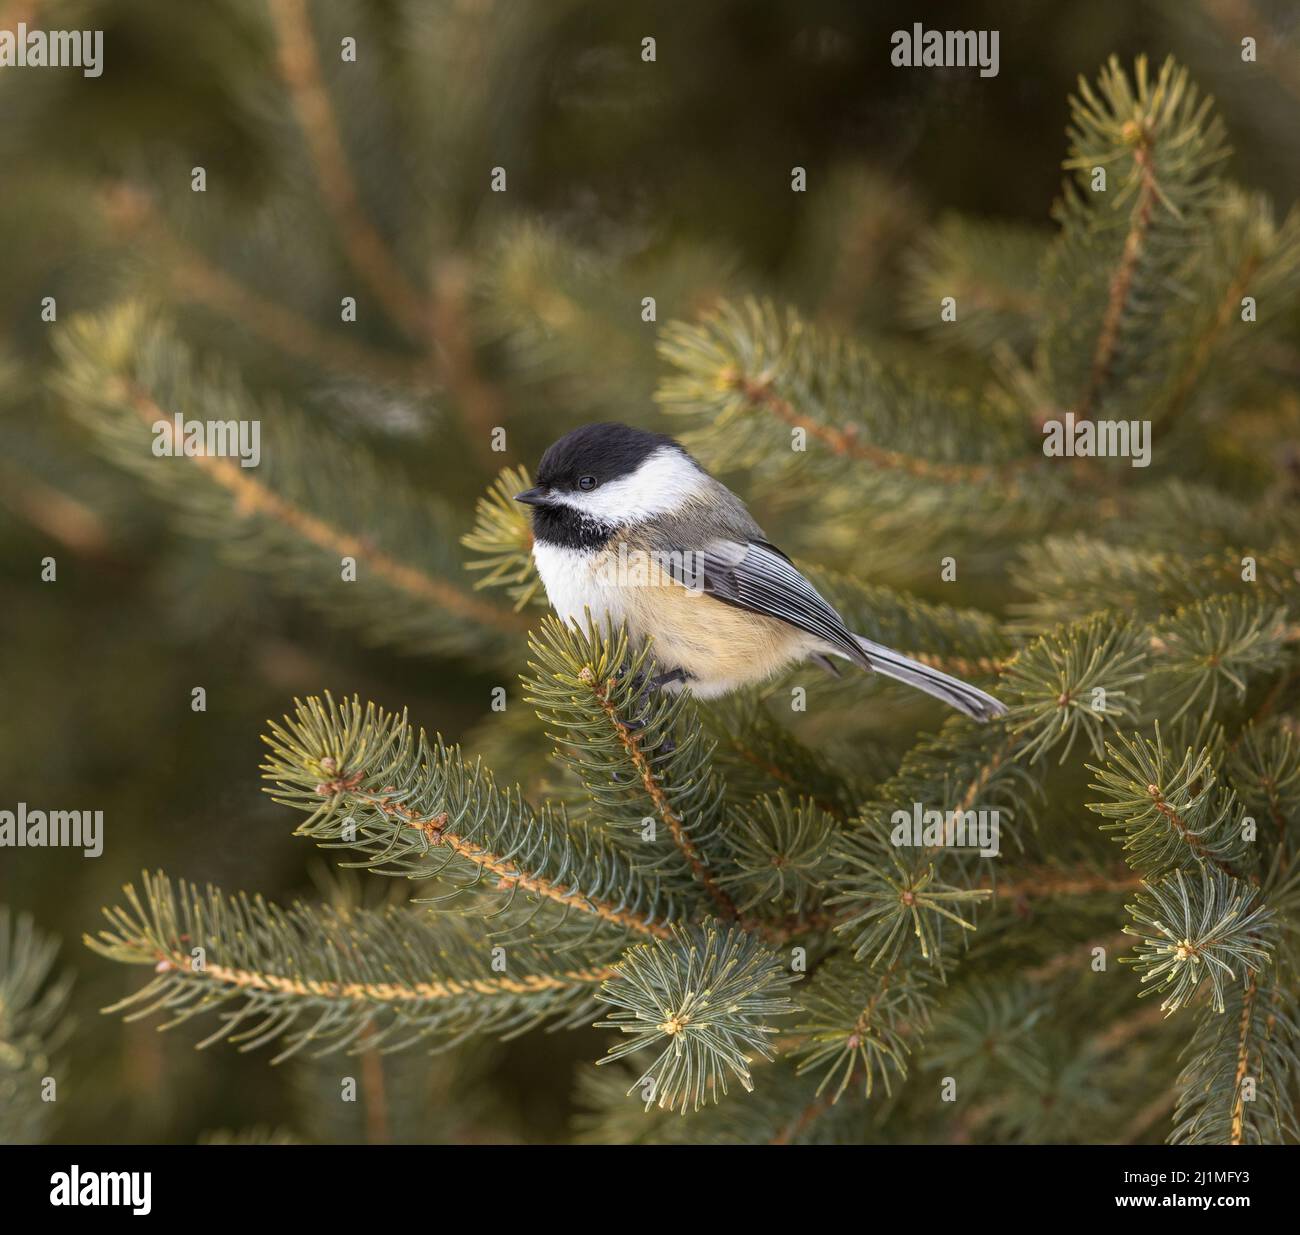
[759, 577]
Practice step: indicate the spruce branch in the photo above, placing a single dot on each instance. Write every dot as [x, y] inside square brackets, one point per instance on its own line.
[984, 1034]
[758, 755]
[366, 249]
[779, 1111]
[188, 276]
[749, 364]
[34, 1025]
[416, 809]
[1171, 813]
[1201, 518]
[782, 854]
[1121, 283]
[889, 905]
[123, 375]
[990, 268]
[705, 995]
[640, 752]
[858, 1024]
[53, 513]
[894, 893]
[1236, 1086]
[477, 398]
[1119, 251]
[1249, 255]
[967, 642]
[503, 534]
[1050, 882]
[1264, 768]
[557, 310]
[1216, 644]
[1205, 927]
[1072, 683]
[328, 978]
[1075, 575]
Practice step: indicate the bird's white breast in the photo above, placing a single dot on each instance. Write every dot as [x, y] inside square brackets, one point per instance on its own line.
[573, 583]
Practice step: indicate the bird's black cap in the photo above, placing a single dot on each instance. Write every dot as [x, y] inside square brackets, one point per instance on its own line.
[605, 451]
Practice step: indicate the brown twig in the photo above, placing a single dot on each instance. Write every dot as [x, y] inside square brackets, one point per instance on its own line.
[1238, 17]
[963, 666]
[631, 743]
[477, 399]
[846, 443]
[1063, 962]
[1194, 842]
[815, 1109]
[367, 253]
[780, 774]
[1103, 357]
[192, 277]
[21, 12]
[53, 513]
[434, 830]
[382, 992]
[1158, 1108]
[251, 497]
[373, 1085]
[1050, 882]
[1123, 1031]
[1243, 1058]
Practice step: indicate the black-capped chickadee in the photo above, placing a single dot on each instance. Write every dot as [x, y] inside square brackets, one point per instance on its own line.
[627, 525]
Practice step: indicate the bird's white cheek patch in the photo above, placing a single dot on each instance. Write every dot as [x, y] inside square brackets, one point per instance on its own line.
[664, 483]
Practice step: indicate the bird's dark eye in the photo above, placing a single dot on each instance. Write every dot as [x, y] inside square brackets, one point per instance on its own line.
[586, 483]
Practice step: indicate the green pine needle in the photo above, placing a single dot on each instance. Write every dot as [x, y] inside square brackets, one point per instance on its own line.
[704, 997]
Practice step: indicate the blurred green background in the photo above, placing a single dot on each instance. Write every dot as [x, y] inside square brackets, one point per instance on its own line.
[625, 179]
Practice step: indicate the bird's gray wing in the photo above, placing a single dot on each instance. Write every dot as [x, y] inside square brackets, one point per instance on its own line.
[757, 576]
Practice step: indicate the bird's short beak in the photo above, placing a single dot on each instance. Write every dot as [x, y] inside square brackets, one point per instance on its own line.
[532, 497]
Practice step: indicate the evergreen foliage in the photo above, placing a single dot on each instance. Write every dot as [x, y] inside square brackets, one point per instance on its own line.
[716, 887]
[34, 1027]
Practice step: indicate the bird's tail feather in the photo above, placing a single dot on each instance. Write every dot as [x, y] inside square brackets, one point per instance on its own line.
[954, 692]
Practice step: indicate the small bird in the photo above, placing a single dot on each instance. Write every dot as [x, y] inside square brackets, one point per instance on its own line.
[627, 525]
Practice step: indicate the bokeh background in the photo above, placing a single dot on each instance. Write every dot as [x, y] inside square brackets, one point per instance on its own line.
[625, 179]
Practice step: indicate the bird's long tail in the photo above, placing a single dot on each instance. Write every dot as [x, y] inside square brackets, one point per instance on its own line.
[954, 692]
